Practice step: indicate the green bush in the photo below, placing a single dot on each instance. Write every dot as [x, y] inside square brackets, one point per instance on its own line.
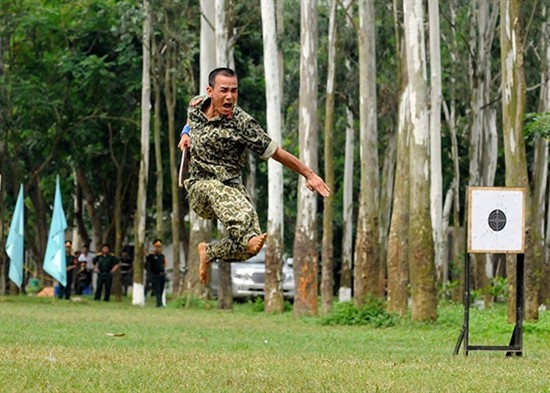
[192, 302]
[499, 289]
[258, 305]
[447, 289]
[373, 313]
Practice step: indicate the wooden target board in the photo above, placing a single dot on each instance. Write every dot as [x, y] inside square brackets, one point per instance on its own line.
[496, 220]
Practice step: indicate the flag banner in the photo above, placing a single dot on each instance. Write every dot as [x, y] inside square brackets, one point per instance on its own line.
[54, 260]
[15, 242]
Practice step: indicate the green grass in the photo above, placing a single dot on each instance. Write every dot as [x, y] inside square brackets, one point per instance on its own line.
[63, 347]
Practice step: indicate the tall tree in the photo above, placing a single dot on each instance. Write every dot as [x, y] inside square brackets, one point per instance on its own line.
[398, 242]
[170, 96]
[3, 139]
[138, 295]
[327, 271]
[201, 228]
[225, 295]
[544, 295]
[436, 176]
[157, 134]
[421, 251]
[305, 241]
[347, 203]
[513, 110]
[273, 94]
[483, 131]
[367, 264]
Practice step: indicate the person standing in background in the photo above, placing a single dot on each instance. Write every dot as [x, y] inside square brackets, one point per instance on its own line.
[70, 263]
[156, 266]
[126, 270]
[87, 257]
[105, 264]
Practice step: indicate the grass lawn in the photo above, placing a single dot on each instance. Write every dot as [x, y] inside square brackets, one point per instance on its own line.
[64, 347]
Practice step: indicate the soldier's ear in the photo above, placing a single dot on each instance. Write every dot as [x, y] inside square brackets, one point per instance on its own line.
[209, 91]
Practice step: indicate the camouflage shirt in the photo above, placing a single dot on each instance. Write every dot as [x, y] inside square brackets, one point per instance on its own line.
[219, 146]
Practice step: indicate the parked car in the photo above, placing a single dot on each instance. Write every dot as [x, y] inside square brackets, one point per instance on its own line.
[248, 277]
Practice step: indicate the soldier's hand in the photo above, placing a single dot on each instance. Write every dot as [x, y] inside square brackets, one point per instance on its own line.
[315, 183]
[185, 141]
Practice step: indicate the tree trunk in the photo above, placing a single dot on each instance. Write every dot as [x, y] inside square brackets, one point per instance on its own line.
[483, 132]
[3, 135]
[436, 177]
[81, 231]
[347, 205]
[450, 117]
[95, 217]
[386, 197]
[274, 302]
[421, 265]
[327, 270]
[170, 97]
[159, 187]
[398, 242]
[138, 295]
[367, 265]
[225, 297]
[2, 155]
[305, 241]
[41, 229]
[201, 228]
[544, 293]
[513, 110]
[117, 211]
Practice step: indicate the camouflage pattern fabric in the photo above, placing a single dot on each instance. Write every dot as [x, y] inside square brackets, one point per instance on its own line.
[219, 148]
[231, 205]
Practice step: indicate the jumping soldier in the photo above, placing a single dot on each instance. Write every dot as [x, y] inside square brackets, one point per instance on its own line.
[219, 134]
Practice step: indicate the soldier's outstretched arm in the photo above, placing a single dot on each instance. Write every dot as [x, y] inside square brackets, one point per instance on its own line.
[313, 181]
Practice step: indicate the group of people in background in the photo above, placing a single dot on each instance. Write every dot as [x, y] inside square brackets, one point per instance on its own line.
[88, 274]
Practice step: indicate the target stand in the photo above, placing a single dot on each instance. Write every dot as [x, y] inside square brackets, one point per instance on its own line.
[496, 225]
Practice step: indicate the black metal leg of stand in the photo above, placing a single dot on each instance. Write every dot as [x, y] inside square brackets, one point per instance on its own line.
[466, 303]
[517, 335]
[466, 298]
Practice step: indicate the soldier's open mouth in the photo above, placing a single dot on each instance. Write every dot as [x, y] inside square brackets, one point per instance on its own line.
[228, 106]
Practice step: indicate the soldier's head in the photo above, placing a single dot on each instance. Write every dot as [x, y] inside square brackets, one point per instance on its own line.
[223, 90]
[68, 246]
[157, 246]
[85, 249]
[105, 249]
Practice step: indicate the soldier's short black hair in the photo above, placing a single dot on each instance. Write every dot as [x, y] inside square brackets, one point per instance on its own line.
[220, 71]
[106, 245]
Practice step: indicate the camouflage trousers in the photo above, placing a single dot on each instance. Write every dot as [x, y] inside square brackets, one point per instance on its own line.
[231, 205]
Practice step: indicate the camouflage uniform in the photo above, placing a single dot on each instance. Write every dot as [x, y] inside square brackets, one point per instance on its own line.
[218, 154]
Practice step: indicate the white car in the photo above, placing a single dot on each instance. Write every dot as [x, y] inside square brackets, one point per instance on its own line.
[248, 277]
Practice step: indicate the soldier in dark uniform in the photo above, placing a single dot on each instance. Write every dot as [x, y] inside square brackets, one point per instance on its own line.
[156, 265]
[126, 270]
[83, 278]
[220, 134]
[70, 263]
[105, 264]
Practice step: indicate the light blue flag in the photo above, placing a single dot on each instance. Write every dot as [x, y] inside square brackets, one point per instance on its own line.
[15, 243]
[54, 261]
